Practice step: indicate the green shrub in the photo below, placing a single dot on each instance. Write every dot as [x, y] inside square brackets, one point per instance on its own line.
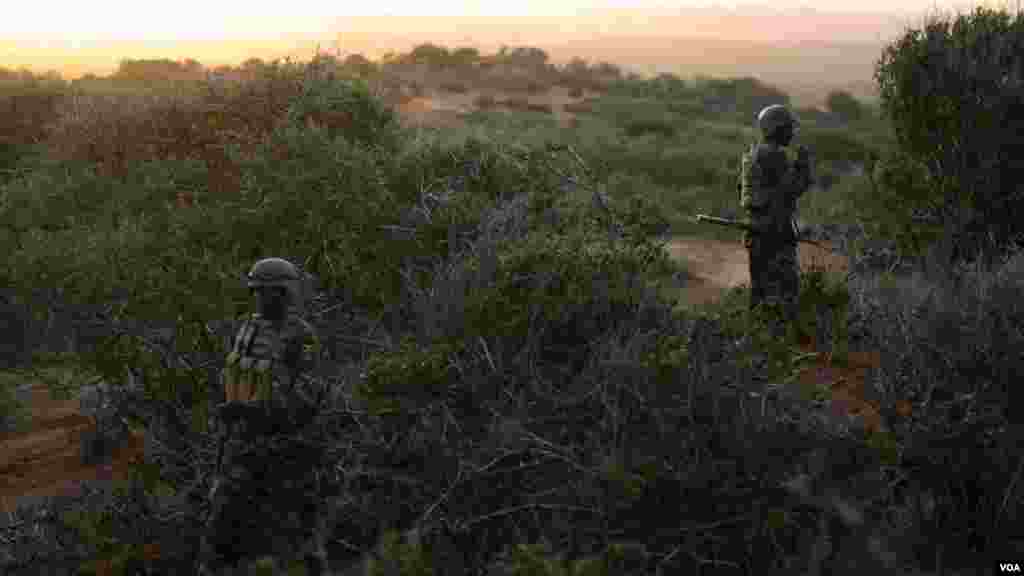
[952, 91]
[949, 349]
[639, 128]
[345, 109]
[407, 374]
[845, 106]
[27, 109]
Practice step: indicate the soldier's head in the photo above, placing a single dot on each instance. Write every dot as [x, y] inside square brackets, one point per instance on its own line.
[777, 125]
[274, 283]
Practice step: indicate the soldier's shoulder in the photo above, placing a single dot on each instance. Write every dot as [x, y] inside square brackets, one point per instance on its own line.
[768, 155]
[765, 151]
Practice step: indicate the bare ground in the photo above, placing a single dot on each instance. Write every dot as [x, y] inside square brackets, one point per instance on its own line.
[718, 266]
[44, 459]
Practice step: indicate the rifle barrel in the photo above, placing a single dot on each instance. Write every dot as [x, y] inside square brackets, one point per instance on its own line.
[746, 226]
[724, 222]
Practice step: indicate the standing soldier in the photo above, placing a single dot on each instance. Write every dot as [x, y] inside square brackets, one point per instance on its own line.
[770, 185]
[265, 491]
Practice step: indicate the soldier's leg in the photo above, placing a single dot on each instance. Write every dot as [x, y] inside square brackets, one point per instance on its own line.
[755, 254]
[212, 559]
[774, 287]
[314, 549]
[238, 532]
[789, 280]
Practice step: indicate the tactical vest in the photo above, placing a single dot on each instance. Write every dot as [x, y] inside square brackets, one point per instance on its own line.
[255, 361]
[766, 191]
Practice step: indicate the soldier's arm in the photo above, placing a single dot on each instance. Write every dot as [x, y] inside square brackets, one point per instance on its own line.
[750, 174]
[802, 178]
[309, 356]
[306, 361]
[312, 358]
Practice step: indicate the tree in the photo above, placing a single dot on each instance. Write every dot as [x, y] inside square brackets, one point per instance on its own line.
[577, 67]
[529, 57]
[844, 105]
[608, 70]
[748, 95]
[359, 65]
[149, 70]
[465, 56]
[192, 68]
[431, 55]
[954, 95]
[253, 64]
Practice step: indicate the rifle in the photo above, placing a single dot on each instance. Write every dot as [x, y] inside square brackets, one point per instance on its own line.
[748, 227]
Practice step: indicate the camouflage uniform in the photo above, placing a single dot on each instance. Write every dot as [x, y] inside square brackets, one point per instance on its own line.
[264, 502]
[770, 185]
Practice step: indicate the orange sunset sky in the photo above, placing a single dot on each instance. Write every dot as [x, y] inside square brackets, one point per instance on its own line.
[75, 37]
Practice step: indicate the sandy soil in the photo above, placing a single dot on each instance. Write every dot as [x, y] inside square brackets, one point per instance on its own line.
[718, 266]
[45, 459]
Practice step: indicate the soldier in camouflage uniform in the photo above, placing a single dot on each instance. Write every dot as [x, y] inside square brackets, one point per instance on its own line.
[263, 498]
[770, 185]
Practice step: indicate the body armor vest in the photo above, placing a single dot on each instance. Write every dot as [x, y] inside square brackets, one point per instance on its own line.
[255, 363]
[768, 190]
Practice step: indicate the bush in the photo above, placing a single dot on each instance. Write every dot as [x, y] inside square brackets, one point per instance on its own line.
[576, 92]
[949, 353]
[485, 102]
[900, 204]
[844, 105]
[747, 96]
[527, 386]
[27, 109]
[959, 82]
[660, 128]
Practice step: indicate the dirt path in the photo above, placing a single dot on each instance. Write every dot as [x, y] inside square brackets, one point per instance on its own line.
[719, 266]
[45, 459]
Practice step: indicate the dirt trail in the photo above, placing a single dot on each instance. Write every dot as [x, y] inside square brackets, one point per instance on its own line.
[719, 266]
[44, 460]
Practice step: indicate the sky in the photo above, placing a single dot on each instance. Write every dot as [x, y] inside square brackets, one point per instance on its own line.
[74, 34]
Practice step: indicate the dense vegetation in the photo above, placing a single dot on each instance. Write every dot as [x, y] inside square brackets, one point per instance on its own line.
[516, 391]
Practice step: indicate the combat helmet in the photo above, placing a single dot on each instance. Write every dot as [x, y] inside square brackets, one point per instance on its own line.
[275, 272]
[774, 117]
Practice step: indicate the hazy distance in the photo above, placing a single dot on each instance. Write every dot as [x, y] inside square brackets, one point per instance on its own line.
[781, 42]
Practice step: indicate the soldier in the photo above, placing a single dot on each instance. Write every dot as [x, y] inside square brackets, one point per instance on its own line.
[264, 501]
[770, 185]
